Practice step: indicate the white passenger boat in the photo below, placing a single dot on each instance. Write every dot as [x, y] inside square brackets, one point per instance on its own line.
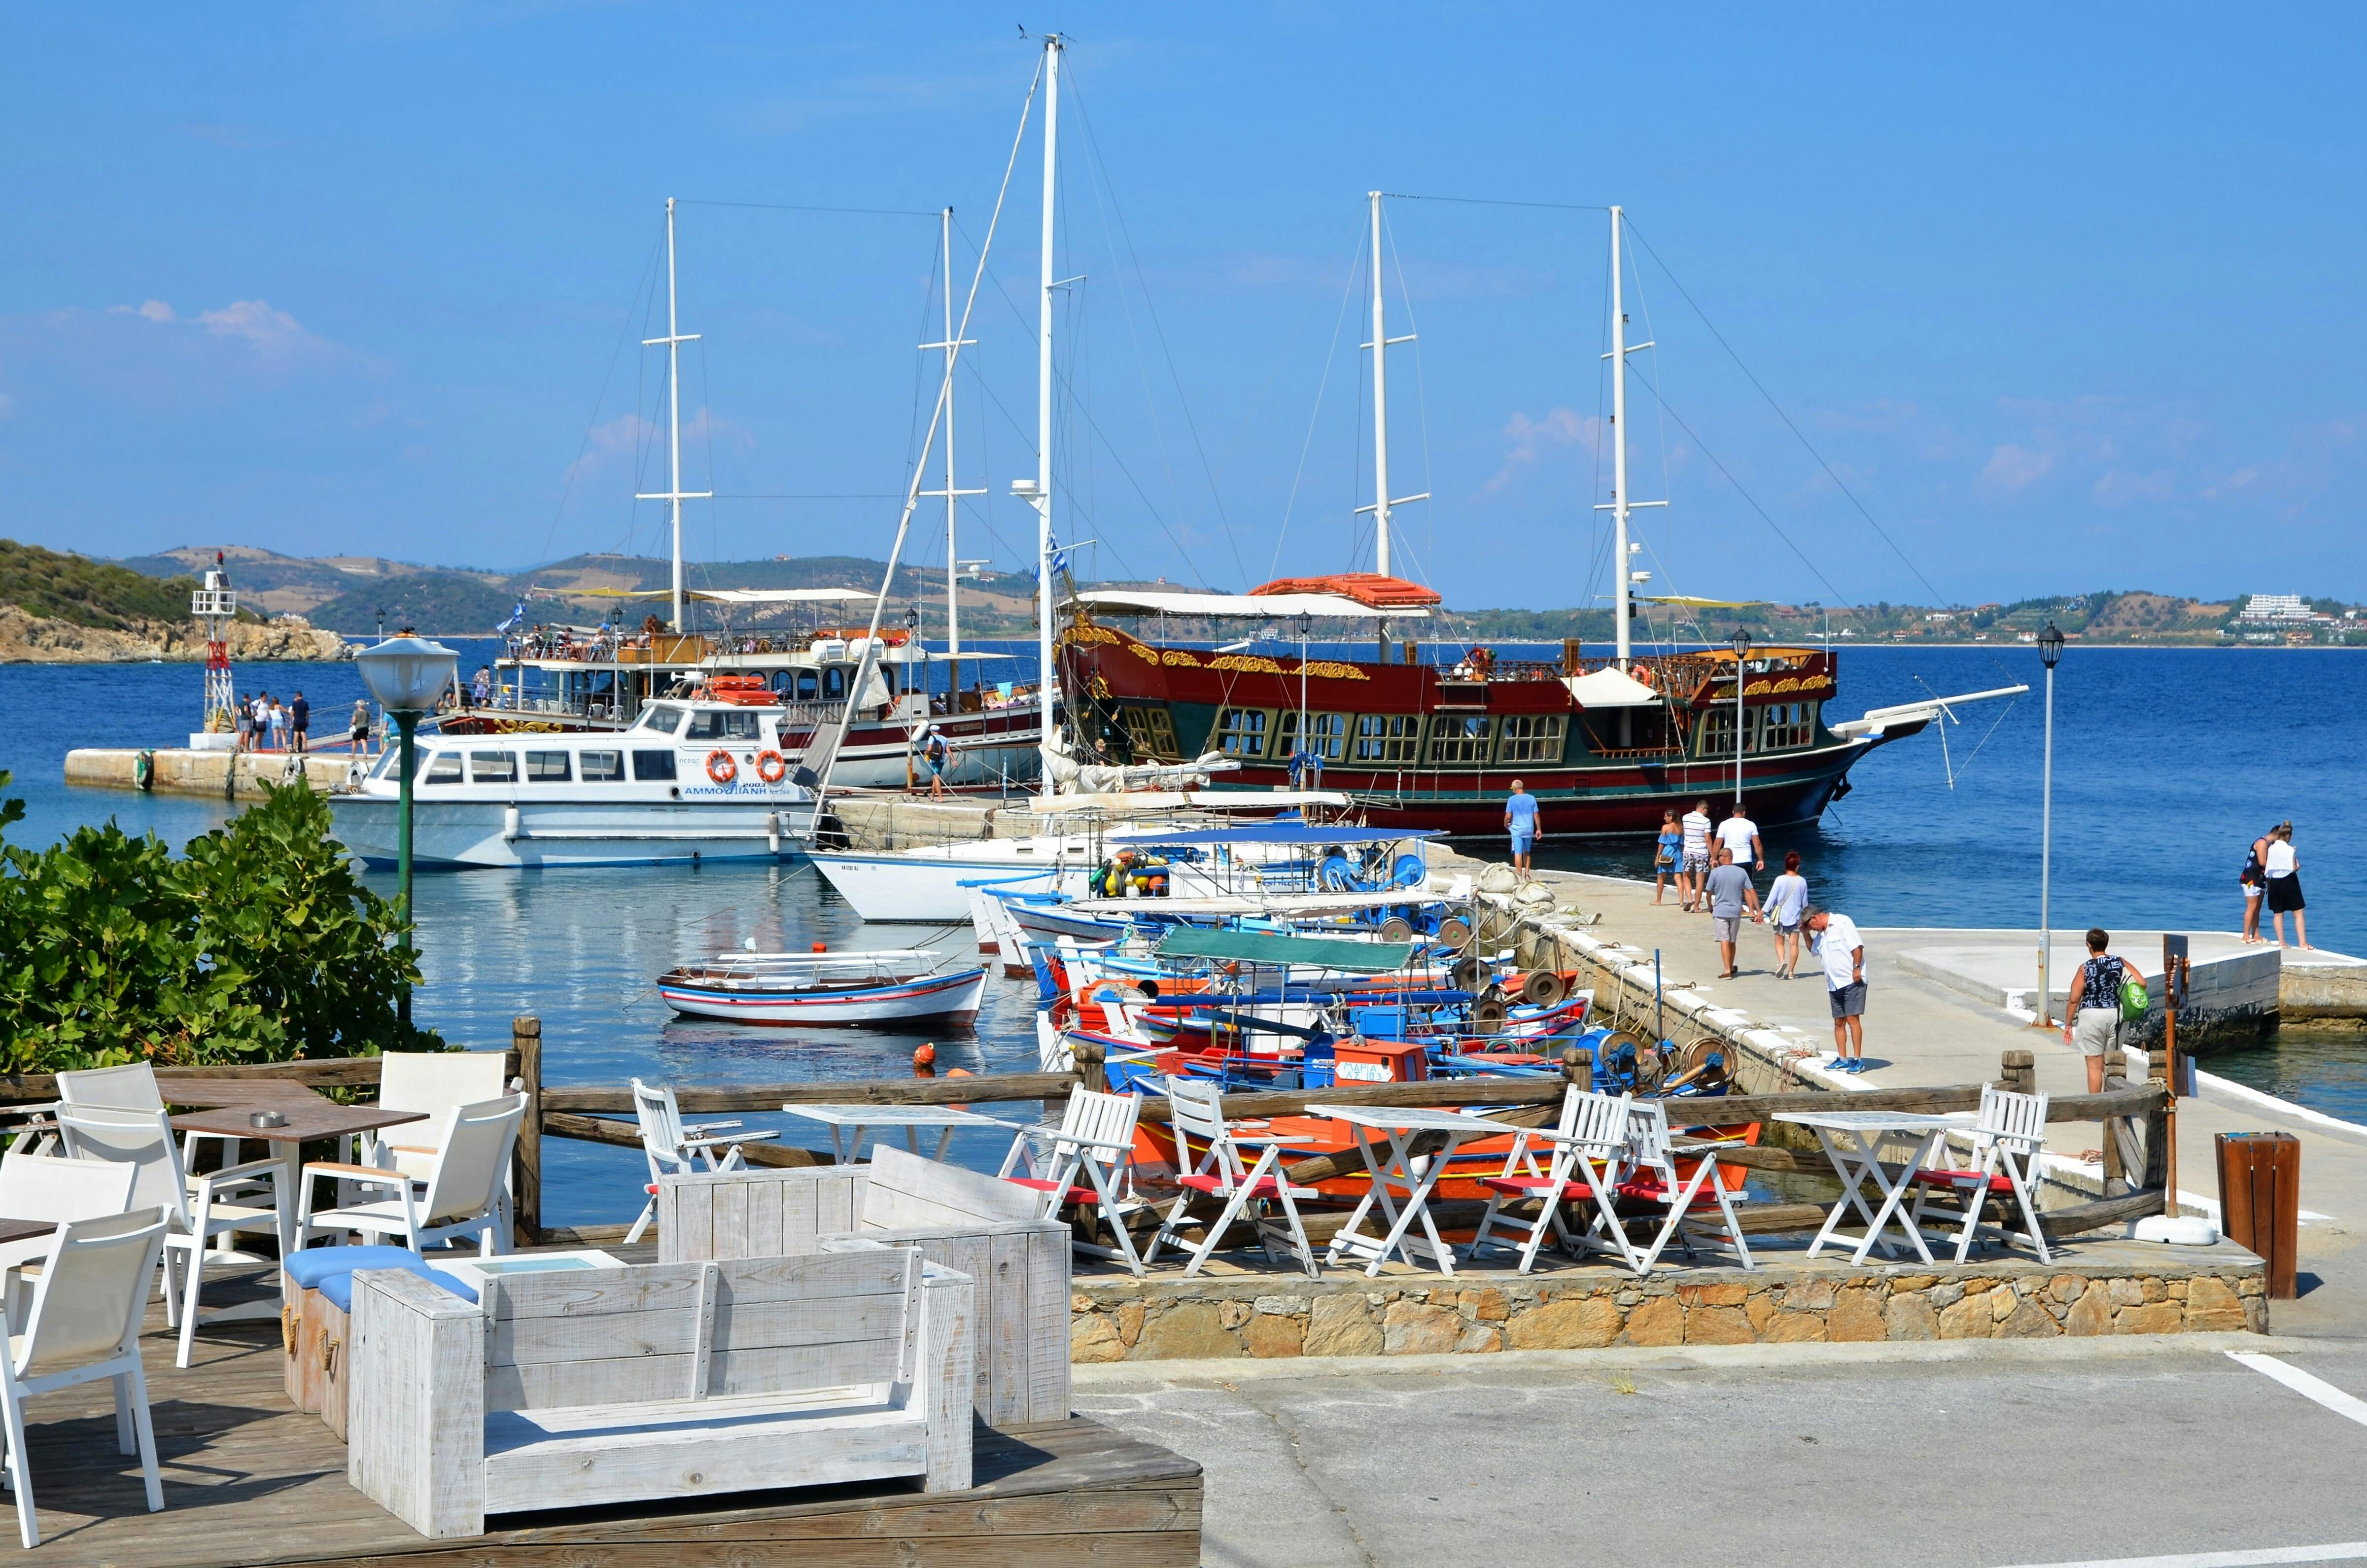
[690, 781]
[887, 987]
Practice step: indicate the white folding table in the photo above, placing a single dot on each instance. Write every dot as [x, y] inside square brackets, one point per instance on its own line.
[1851, 1140]
[848, 1122]
[1400, 1127]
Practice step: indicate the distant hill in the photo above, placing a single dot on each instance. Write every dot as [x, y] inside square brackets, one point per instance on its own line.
[438, 603]
[268, 581]
[50, 585]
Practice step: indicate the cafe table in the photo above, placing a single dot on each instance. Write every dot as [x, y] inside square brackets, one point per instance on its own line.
[1851, 1140]
[1400, 1127]
[848, 1122]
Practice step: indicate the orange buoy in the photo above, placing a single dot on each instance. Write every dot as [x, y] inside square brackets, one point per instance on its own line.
[960, 1073]
[925, 1057]
[822, 947]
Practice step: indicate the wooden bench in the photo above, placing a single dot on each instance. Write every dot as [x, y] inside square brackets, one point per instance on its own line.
[976, 1224]
[594, 1387]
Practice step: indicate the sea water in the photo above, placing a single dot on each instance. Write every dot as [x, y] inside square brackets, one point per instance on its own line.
[2167, 763]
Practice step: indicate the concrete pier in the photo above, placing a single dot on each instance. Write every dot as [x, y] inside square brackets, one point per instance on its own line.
[223, 776]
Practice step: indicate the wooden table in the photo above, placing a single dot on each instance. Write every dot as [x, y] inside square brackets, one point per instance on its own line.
[309, 1118]
[25, 1230]
[1857, 1164]
[1400, 1127]
[911, 1118]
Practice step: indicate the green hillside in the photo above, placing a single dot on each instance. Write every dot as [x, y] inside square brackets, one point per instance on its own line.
[445, 603]
[56, 586]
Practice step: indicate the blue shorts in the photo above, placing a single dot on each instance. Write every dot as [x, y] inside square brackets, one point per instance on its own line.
[1521, 842]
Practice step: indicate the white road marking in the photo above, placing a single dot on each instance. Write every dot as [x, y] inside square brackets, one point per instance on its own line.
[2309, 1388]
[2342, 1551]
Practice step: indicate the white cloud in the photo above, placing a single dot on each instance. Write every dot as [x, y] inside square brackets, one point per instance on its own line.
[1529, 439]
[273, 334]
[629, 433]
[2119, 487]
[2011, 468]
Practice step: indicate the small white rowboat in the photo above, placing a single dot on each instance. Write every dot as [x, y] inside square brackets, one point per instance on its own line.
[850, 988]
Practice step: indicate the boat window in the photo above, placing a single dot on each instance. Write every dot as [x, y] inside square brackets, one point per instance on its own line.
[546, 767]
[1327, 736]
[652, 764]
[1530, 737]
[492, 767]
[1460, 737]
[1241, 732]
[1151, 731]
[601, 766]
[1387, 737]
[443, 768]
[711, 724]
[1785, 725]
[386, 764]
[662, 718]
[834, 681]
[808, 686]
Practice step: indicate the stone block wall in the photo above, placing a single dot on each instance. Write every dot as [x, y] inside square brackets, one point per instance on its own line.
[1211, 1319]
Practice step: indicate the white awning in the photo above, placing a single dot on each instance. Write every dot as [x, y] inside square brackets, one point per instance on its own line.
[1259, 606]
[722, 595]
[1149, 802]
[1611, 689]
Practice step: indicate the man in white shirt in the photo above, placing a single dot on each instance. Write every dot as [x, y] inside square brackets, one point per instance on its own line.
[1693, 871]
[1836, 942]
[1741, 836]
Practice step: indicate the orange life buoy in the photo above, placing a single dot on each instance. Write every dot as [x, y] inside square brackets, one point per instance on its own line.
[772, 767]
[720, 767]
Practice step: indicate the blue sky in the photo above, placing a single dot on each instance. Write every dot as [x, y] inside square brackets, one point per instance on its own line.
[2066, 297]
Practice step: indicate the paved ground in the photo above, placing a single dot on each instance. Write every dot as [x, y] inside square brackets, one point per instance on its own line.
[2003, 1454]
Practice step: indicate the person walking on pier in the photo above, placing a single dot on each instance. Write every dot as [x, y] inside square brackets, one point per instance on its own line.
[300, 721]
[1521, 822]
[1729, 893]
[1843, 952]
[1741, 836]
[1665, 855]
[2254, 880]
[2283, 867]
[934, 755]
[2091, 1018]
[358, 731]
[1787, 904]
[245, 713]
[1694, 869]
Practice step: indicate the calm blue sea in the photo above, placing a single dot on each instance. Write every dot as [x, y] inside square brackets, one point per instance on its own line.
[2166, 763]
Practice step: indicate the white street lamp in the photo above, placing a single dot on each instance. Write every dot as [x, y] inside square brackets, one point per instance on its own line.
[2050, 649]
[407, 675]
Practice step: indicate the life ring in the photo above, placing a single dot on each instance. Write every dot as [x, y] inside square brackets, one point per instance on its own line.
[772, 767]
[720, 767]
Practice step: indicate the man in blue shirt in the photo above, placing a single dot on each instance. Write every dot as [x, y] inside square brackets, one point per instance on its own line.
[1521, 822]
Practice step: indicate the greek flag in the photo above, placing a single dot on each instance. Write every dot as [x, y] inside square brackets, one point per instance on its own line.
[1060, 559]
[516, 619]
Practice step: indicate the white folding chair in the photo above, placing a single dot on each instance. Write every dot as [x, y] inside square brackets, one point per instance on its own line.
[199, 1209]
[673, 1149]
[1198, 1110]
[1094, 1145]
[432, 1082]
[85, 1326]
[1652, 1178]
[45, 1187]
[1585, 1147]
[2008, 1138]
[459, 1197]
[133, 1087]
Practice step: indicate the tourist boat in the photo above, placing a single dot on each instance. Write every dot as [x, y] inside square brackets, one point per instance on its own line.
[1605, 743]
[880, 988]
[690, 781]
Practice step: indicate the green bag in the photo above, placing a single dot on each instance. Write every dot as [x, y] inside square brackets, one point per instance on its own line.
[2134, 1003]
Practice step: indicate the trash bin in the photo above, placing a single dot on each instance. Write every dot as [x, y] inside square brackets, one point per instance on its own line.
[2259, 1199]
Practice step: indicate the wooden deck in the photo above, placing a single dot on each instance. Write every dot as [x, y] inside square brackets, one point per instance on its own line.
[250, 1480]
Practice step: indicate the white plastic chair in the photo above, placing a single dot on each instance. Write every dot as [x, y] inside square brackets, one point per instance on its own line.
[85, 1326]
[1198, 1109]
[460, 1196]
[45, 1187]
[198, 1209]
[133, 1087]
[1096, 1146]
[675, 1149]
[1587, 1147]
[433, 1082]
[2008, 1138]
[1652, 1178]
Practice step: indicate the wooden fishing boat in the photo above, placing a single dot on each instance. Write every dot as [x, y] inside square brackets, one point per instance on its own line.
[880, 989]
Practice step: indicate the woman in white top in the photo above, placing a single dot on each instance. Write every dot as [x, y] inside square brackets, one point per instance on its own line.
[2284, 869]
[1787, 903]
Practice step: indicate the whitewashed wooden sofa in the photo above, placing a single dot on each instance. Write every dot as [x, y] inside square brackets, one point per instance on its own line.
[579, 1389]
[976, 1224]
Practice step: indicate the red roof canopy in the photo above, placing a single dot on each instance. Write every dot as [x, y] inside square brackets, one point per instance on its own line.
[1364, 587]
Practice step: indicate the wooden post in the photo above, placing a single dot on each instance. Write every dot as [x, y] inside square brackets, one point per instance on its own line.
[1087, 1054]
[2018, 1073]
[525, 1154]
[1577, 1066]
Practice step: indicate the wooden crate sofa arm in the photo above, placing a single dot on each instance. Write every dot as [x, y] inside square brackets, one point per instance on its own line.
[419, 1370]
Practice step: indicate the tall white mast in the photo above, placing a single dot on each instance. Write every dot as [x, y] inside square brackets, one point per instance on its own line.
[1043, 408]
[1619, 504]
[1382, 500]
[953, 554]
[673, 340]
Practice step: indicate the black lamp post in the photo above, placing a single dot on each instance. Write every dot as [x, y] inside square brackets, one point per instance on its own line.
[2050, 649]
[1740, 644]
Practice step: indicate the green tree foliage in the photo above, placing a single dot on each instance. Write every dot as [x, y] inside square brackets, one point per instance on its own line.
[260, 944]
[55, 586]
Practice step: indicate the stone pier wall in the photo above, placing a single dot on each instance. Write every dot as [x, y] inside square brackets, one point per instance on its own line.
[1217, 1319]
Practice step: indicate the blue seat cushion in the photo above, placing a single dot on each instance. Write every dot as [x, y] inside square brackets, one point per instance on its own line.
[331, 1270]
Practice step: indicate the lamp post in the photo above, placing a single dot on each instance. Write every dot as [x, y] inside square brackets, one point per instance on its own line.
[2050, 649]
[1740, 642]
[406, 674]
[1305, 633]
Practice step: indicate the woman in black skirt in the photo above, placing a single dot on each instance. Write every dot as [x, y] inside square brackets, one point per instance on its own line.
[2284, 869]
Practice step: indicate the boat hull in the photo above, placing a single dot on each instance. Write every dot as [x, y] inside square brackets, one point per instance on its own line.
[457, 834]
[950, 998]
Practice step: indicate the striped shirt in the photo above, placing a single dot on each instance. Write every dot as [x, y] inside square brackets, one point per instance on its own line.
[1697, 827]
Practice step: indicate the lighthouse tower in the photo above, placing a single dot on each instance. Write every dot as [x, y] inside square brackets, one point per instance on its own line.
[215, 605]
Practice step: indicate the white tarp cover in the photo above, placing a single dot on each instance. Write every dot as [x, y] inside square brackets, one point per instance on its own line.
[1259, 606]
[1611, 689]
